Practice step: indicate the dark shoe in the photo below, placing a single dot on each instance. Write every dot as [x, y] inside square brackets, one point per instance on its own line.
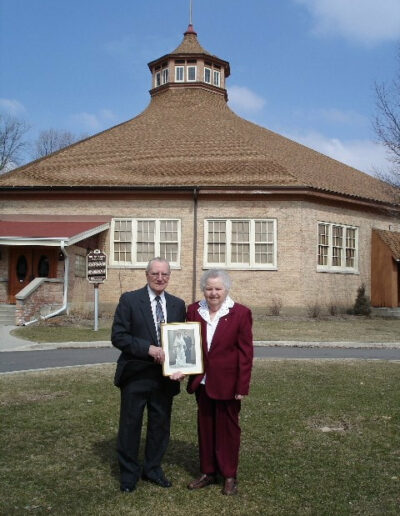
[230, 486]
[127, 489]
[160, 481]
[203, 481]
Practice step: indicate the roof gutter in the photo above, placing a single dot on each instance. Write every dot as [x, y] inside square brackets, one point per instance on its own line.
[65, 296]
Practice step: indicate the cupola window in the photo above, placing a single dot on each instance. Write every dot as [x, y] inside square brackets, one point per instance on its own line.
[207, 75]
[191, 73]
[179, 73]
[217, 78]
[165, 75]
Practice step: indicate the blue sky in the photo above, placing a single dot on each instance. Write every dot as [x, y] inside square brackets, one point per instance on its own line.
[302, 68]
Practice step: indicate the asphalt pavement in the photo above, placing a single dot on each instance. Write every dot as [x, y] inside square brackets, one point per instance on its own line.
[22, 355]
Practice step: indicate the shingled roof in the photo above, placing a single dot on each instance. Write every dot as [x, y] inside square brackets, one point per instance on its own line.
[392, 240]
[188, 136]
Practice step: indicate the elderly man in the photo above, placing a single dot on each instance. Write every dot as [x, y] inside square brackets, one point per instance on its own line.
[136, 332]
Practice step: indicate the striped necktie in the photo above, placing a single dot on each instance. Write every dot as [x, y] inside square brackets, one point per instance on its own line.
[159, 317]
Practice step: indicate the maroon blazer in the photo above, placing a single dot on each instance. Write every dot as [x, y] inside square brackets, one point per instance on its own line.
[229, 361]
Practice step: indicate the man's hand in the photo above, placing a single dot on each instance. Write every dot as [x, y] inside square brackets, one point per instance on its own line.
[239, 396]
[157, 353]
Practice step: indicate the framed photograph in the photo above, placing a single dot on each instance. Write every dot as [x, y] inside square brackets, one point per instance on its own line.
[181, 343]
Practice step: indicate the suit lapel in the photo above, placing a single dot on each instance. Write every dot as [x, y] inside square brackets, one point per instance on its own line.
[148, 314]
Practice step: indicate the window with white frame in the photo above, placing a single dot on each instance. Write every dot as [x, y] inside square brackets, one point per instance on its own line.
[240, 243]
[207, 75]
[165, 75]
[158, 79]
[136, 241]
[337, 247]
[179, 73]
[217, 78]
[191, 73]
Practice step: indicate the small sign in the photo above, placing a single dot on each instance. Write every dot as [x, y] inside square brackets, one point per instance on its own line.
[96, 266]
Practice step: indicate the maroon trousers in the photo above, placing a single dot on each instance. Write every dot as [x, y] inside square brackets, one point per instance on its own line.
[219, 434]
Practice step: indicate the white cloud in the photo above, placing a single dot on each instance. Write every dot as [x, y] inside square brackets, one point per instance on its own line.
[364, 155]
[367, 21]
[12, 106]
[244, 100]
[334, 116]
[93, 122]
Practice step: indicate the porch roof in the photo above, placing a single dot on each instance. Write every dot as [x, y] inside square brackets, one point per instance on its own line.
[51, 232]
[392, 240]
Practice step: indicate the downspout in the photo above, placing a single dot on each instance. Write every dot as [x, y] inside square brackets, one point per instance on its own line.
[65, 296]
[194, 276]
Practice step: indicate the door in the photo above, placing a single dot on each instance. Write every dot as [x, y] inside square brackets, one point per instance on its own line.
[27, 263]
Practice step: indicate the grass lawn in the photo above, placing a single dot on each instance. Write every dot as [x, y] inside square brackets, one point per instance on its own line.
[340, 328]
[319, 438]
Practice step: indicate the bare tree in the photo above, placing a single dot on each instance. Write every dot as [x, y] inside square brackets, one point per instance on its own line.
[387, 124]
[12, 143]
[53, 140]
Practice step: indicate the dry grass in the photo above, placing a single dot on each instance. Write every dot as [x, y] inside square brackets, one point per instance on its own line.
[318, 438]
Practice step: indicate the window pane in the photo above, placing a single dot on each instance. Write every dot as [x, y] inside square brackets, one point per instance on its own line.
[169, 231]
[207, 75]
[240, 248]
[216, 245]
[179, 73]
[191, 73]
[165, 75]
[217, 76]
[169, 252]
[145, 245]
[264, 254]
[122, 240]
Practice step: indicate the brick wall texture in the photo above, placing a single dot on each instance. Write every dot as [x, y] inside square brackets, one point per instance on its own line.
[296, 281]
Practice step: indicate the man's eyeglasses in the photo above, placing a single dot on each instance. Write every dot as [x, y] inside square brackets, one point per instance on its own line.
[158, 274]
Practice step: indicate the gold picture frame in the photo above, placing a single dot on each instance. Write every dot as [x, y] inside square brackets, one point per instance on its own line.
[182, 347]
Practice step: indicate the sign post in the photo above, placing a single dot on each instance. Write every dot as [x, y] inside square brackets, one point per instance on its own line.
[96, 273]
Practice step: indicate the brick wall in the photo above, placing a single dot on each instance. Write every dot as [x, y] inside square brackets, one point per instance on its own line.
[296, 280]
[46, 298]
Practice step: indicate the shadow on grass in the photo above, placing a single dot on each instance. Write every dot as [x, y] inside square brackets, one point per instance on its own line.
[180, 453]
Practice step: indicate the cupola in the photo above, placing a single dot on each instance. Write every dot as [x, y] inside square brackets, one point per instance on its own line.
[188, 66]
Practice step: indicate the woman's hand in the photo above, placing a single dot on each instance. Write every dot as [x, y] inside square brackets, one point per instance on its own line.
[239, 397]
[178, 376]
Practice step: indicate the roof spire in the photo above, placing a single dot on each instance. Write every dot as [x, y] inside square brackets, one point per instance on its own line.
[190, 29]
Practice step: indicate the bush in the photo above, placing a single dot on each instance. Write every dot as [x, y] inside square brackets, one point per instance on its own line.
[276, 306]
[362, 305]
[314, 310]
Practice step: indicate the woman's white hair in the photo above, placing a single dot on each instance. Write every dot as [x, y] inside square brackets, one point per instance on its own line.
[216, 273]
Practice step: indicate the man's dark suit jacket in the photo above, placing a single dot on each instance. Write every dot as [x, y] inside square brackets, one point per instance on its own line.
[133, 331]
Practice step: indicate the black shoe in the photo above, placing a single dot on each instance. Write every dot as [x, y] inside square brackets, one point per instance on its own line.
[160, 481]
[127, 489]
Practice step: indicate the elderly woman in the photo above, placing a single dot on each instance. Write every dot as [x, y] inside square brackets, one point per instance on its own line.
[228, 356]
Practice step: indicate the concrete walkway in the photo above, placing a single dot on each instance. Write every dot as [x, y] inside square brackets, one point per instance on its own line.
[10, 343]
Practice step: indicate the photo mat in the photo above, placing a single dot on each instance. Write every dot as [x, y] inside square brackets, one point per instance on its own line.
[181, 343]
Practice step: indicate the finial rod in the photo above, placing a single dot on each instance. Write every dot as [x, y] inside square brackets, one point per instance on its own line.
[190, 12]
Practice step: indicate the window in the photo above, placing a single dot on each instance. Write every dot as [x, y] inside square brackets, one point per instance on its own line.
[207, 75]
[80, 266]
[136, 241]
[165, 75]
[242, 244]
[158, 79]
[337, 248]
[191, 73]
[179, 73]
[217, 78]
